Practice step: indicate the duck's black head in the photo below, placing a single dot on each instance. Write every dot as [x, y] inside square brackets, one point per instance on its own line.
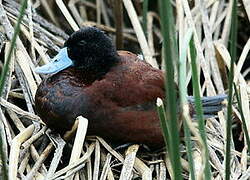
[91, 49]
[88, 49]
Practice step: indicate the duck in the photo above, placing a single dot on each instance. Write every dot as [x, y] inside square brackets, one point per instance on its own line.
[115, 90]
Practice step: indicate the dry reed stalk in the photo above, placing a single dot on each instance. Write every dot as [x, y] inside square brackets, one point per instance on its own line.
[79, 140]
[128, 163]
[6, 129]
[23, 58]
[150, 18]
[83, 12]
[216, 162]
[73, 171]
[139, 165]
[226, 57]
[4, 141]
[245, 104]
[15, 148]
[105, 13]
[168, 166]
[242, 59]
[49, 11]
[89, 166]
[139, 33]
[98, 12]
[110, 150]
[27, 143]
[80, 161]
[163, 171]
[213, 14]
[57, 157]
[97, 161]
[67, 15]
[31, 29]
[39, 162]
[24, 164]
[38, 48]
[106, 168]
[209, 50]
[203, 63]
[247, 8]
[118, 12]
[58, 152]
[47, 37]
[18, 110]
[23, 153]
[16, 120]
[226, 28]
[74, 11]
[143, 169]
[109, 29]
[6, 89]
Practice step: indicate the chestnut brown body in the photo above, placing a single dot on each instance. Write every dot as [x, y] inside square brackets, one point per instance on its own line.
[120, 106]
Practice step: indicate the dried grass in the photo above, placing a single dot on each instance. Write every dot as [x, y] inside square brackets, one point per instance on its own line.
[25, 143]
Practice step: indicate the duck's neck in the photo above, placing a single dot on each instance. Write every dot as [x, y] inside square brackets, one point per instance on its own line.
[88, 75]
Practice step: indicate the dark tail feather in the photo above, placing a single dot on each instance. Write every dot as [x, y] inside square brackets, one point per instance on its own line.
[211, 104]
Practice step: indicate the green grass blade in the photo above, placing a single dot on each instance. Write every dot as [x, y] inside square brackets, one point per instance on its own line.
[233, 40]
[189, 150]
[242, 117]
[183, 97]
[162, 116]
[144, 16]
[12, 46]
[170, 54]
[199, 110]
[3, 76]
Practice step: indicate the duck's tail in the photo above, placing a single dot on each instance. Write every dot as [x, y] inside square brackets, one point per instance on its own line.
[211, 105]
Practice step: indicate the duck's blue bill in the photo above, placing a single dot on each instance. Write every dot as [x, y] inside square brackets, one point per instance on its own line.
[60, 62]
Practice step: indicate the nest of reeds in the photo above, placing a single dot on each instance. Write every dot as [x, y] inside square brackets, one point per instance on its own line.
[28, 148]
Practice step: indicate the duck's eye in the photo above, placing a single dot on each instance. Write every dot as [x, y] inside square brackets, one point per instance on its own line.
[82, 43]
[56, 60]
